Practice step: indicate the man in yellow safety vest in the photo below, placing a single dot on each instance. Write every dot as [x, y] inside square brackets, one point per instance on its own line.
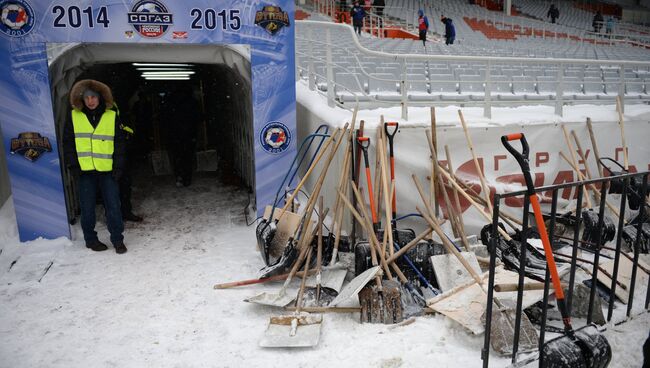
[94, 151]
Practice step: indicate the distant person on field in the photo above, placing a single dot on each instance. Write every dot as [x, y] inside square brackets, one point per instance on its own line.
[609, 26]
[94, 149]
[379, 7]
[597, 22]
[367, 5]
[357, 13]
[379, 10]
[450, 30]
[553, 13]
[423, 26]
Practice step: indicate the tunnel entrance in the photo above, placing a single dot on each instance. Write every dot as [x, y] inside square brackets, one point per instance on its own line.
[153, 88]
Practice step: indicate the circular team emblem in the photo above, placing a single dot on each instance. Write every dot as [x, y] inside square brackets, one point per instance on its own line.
[275, 137]
[150, 18]
[16, 18]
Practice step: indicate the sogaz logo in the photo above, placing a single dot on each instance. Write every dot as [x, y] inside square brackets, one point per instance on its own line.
[275, 137]
[17, 18]
[150, 18]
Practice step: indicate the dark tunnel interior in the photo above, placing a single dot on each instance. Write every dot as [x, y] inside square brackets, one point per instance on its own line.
[223, 133]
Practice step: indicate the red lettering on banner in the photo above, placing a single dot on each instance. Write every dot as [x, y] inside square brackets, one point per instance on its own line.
[497, 158]
[541, 158]
[586, 154]
[466, 172]
[620, 150]
[563, 176]
[519, 179]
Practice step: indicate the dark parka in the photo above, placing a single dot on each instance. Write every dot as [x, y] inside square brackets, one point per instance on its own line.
[105, 102]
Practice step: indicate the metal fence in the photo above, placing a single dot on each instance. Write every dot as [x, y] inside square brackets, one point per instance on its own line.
[492, 81]
[633, 190]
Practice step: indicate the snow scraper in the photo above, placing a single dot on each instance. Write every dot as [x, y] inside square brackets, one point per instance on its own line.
[298, 330]
[584, 347]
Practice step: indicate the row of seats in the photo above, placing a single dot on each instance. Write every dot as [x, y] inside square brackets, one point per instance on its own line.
[356, 74]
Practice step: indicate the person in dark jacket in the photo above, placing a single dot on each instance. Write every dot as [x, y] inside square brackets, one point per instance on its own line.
[126, 180]
[597, 23]
[553, 13]
[94, 149]
[357, 13]
[423, 26]
[182, 117]
[379, 6]
[450, 30]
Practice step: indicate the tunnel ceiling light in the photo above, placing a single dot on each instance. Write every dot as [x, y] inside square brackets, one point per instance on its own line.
[169, 69]
[160, 64]
[189, 72]
[164, 75]
[167, 78]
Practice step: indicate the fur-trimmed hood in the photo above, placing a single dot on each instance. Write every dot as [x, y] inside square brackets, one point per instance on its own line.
[78, 89]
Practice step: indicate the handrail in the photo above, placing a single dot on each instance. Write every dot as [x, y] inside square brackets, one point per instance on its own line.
[500, 59]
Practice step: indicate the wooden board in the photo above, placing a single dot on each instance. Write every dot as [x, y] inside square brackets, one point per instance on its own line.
[624, 276]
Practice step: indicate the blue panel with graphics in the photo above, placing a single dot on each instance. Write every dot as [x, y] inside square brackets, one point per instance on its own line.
[26, 116]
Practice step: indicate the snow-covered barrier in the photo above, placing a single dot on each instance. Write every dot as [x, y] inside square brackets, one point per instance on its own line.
[546, 141]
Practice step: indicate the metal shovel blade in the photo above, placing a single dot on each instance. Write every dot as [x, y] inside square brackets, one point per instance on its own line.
[588, 348]
[293, 331]
[331, 278]
[352, 289]
[502, 332]
[275, 300]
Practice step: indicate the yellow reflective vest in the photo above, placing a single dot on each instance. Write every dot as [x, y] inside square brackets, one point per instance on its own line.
[94, 146]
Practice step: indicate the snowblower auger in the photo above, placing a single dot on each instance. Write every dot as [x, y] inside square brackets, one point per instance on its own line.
[584, 347]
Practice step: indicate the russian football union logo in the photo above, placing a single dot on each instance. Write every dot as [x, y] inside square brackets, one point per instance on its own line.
[272, 19]
[150, 18]
[275, 137]
[17, 18]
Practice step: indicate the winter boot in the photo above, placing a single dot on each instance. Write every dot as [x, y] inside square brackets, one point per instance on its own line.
[120, 248]
[96, 245]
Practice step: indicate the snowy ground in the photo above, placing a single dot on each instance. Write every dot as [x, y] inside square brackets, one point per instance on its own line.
[155, 306]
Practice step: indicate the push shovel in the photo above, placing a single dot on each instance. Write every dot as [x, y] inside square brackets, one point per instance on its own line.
[584, 347]
[298, 330]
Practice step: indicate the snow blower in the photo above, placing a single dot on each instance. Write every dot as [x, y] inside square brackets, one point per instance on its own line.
[583, 347]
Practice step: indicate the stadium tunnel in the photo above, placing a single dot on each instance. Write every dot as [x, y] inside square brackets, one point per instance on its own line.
[221, 84]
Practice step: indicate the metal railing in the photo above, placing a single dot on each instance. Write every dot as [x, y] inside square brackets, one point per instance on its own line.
[495, 89]
[597, 247]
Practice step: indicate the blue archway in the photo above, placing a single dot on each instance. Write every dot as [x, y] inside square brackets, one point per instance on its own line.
[26, 116]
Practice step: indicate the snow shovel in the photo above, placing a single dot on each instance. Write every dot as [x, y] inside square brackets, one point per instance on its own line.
[282, 298]
[319, 295]
[298, 330]
[584, 347]
[392, 162]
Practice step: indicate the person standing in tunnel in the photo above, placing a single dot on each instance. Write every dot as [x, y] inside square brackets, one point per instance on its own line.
[94, 151]
[182, 115]
[126, 181]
